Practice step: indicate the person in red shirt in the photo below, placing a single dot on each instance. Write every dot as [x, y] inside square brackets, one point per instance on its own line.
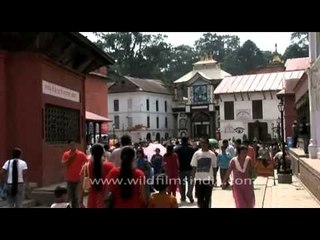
[171, 166]
[98, 170]
[73, 160]
[127, 183]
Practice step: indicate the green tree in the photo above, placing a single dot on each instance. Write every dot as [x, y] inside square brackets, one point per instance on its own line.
[299, 46]
[268, 55]
[219, 46]
[244, 59]
[136, 54]
[301, 38]
[181, 62]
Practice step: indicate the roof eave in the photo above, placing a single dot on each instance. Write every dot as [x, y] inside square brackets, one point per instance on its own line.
[97, 50]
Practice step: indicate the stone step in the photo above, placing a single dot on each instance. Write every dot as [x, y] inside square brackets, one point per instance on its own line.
[43, 198]
[29, 203]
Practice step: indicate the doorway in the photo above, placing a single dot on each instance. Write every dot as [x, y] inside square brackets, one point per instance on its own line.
[258, 130]
[201, 125]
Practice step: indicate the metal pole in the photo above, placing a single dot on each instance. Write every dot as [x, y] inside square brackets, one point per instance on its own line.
[284, 167]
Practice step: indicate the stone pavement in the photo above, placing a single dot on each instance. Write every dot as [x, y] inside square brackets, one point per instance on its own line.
[267, 195]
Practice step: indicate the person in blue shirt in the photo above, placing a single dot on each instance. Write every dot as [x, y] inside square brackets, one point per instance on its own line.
[223, 163]
[143, 164]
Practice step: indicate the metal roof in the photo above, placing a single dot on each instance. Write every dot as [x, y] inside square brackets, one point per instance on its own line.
[95, 117]
[150, 85]
[293, 64]
[256, 82]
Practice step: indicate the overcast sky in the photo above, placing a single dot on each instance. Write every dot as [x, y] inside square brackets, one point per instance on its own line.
[264, 40]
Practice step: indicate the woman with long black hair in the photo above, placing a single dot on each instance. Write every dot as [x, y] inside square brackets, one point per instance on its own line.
[127, 182]
[16, 174]
[96, 169]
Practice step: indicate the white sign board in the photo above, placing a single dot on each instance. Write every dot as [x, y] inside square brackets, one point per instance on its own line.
[59, 91]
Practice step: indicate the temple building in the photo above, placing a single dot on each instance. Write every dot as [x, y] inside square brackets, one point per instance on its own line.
[195, 110]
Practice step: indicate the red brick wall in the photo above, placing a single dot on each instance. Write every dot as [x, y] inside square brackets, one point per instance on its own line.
[289, 114]
[53, 170]
[3, 108]
[22, 104]
[96, 95]
[268, 69]
[24, 118]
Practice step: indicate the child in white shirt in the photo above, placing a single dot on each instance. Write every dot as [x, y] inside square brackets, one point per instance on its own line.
[61, 196]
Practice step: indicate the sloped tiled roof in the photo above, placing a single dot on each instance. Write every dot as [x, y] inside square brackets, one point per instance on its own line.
[209, 74]
[294, 64]
[150, 85]
[256, 82]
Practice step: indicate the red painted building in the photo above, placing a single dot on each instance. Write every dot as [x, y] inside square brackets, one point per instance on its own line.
[42, 97]
[97, 93]
[96, 87]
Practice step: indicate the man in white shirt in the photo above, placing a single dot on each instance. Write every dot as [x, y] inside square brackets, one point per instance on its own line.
[15, 171]
[204, 163]
[115, 155]
[229, 148]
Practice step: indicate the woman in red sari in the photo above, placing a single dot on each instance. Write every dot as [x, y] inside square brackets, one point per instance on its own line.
[127, 183]
[171, 166]
[98, 171]
[242, 186]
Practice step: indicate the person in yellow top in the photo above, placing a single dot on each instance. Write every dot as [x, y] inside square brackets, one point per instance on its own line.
[162, 199]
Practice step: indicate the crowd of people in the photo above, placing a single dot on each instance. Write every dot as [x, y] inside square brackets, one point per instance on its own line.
[124, 177]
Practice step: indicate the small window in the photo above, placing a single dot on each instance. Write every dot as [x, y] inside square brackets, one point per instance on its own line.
[116, 105]
[148, 122]
[147, 103]
[157, 122]
[130, 124]
[157, 106]
[116, 122]
[129, 103]
[165, 106]
[257, 111]
[166, 122]
[228, 110]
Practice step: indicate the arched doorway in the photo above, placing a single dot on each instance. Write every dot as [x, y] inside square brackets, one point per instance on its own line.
[148, 137]
[183, 134]
[166, 136]
[201, 124]
[158, 137]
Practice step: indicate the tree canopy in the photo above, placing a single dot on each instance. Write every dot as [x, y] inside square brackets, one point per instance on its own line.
[151, 56]
[299, 46]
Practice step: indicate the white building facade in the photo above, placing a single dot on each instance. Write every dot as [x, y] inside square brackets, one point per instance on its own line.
[237, 117]
[249, 105]
[314, 94]
[142, 114]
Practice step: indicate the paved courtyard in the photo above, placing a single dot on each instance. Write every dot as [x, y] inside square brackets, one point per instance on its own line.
[267, 195]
